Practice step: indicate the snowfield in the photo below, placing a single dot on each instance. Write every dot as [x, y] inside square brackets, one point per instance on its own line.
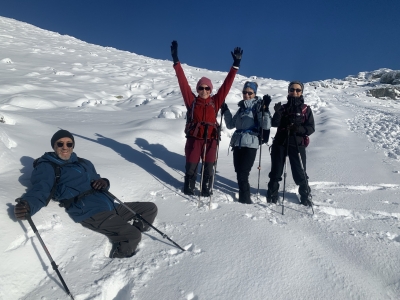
[127, 115]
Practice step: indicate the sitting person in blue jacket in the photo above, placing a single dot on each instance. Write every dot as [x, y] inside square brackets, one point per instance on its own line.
[79, 191]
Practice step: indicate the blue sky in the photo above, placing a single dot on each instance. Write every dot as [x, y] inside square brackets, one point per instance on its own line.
[304, 40]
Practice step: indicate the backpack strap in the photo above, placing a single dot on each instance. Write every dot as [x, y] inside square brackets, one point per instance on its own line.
[57, 174]
[304, 110]
[190, 125]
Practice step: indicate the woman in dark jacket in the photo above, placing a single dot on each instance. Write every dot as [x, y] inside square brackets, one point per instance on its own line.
[295, 123]
[252, 116]
[201, 126]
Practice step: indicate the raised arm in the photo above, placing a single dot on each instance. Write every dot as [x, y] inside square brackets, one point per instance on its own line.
[186, 91]
[223, 91]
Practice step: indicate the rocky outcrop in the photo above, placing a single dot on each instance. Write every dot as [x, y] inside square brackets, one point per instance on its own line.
[392, 77]
[386, 92]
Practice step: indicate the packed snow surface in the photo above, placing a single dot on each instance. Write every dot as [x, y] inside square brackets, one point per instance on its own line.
[127, 115]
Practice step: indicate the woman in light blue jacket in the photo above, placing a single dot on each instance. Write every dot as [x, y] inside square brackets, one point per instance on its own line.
[252, 116]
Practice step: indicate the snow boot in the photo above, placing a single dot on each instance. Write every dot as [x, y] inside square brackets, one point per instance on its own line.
[244, 193]
[272, 197]
[116, 252]
[189, 184]
[206, 186]
[305, 195]
[272, 192]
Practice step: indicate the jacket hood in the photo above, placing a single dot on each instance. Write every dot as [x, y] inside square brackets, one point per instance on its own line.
[52, 157]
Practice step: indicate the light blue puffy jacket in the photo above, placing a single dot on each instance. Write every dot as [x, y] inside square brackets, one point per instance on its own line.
[247, 128]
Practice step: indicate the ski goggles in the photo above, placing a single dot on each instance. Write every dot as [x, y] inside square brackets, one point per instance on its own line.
[293, 90]
[61, 144]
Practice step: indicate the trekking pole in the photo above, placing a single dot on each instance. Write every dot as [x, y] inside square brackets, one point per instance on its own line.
[305, 175]
[204, 158]
[259, 161]
[142, 219]
[216, 159]
[53, 264]
[285, 172]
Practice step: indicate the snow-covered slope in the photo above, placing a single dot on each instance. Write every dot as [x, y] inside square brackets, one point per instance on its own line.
[127, 115]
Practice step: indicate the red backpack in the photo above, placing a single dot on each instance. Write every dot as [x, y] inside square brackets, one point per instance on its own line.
[196, 127]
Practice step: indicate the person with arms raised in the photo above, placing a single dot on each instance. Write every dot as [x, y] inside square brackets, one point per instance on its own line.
[201, 124]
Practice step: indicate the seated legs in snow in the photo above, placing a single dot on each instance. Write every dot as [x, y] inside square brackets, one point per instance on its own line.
[114, 224]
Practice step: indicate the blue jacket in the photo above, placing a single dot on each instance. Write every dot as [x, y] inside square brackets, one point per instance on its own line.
[247, 128]
[76, 176]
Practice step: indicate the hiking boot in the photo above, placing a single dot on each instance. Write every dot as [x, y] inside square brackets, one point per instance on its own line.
[206, 192]
[189, 184]
[272, 197]
[244, 197]
[116, 253]
[206, 187]
[305, 201]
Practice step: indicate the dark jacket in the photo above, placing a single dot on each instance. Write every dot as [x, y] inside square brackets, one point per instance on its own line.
[76, 177]
[203, 111]
[291, 113]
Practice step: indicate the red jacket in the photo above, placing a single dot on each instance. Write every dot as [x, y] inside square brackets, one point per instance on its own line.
[204, 110]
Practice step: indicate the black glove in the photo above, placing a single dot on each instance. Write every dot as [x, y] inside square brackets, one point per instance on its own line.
[266, 101]
[237, 56]
[224, 108]
[99, 184]
[21, 209]
[278, 107]
[174, 51]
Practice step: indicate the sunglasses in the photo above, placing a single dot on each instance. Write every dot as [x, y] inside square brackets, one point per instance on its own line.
[248, 93]
[297, 90]
[61, 144]
[200, 88]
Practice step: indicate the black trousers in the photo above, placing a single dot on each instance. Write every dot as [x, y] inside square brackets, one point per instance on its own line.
[114, 224]
[243, 161]
[278, 155]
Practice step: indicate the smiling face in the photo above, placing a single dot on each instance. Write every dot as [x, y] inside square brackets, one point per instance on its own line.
[64, 148]
[204, 91]
[295, 90]
[248, 94]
